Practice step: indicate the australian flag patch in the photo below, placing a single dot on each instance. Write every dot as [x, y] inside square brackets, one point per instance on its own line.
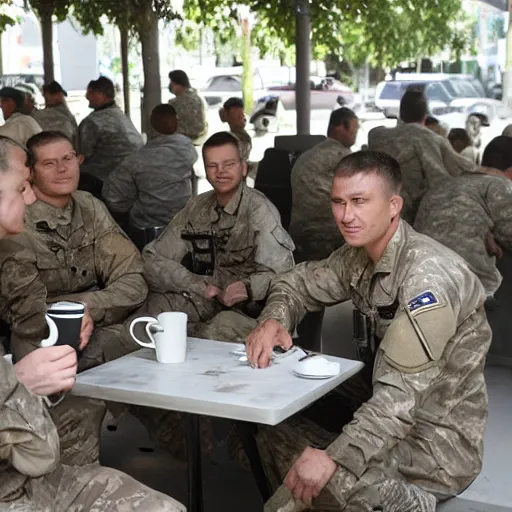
[423, 300]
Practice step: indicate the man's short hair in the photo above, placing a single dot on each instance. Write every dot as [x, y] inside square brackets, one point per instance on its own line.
[459, 135]
[233, 103]
[163, 119]
[179, 77]
[431, 121]
[13, 94]
[7, 143]
[221, 139]
[340, 117]
[498, 153]
[54, 88]
[43, 139]
[413, 107]
[103, 85]
[367, 162]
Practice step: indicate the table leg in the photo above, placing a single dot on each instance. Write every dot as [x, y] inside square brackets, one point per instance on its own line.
[247, 433]
[195, 477]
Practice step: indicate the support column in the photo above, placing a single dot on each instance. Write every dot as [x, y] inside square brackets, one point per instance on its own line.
[302, 66]
[507, 79]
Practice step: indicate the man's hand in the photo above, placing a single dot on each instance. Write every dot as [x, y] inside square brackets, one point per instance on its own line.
[493, 249]
[263, 339]
[211, 291]
[47, 371]
[86, 330]
[236, 292]
[310, 474]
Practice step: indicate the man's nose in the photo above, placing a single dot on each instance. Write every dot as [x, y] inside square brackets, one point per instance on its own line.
[348, 213]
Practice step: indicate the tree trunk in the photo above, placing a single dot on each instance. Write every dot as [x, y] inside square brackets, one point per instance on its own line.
[507, 82]
[247, 85]
[46, 21]
[1, 54]
[151, 64]
[125, 69]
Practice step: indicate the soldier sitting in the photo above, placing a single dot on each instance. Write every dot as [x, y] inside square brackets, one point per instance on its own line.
[154, 183]
[80, 255]
[31, 476]
[105, 137]
[425, 157]
[56, 116]
[216, 258]
[408, 430]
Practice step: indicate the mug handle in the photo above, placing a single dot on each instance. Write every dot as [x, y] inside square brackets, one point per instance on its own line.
[54, 333]
[151, 322]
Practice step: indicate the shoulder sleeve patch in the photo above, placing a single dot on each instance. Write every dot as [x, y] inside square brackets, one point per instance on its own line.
[423, 300]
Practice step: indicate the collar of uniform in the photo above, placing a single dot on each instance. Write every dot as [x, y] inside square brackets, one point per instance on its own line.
[388, 261]
[232, 207]
[14, 116]
[54, 217]
[160, 140]
[104, 107]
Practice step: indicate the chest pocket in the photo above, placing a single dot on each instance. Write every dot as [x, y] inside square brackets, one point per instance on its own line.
[235, 248]
[384, 317]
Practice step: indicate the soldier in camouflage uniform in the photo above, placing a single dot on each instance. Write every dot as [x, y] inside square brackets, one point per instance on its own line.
[56, 116]
[80, 255]
[106, 136]
[425, 157]
[31, 477]
[216, 258]
[312, 226]
[421, 329]
[154, 183]
[189, 106]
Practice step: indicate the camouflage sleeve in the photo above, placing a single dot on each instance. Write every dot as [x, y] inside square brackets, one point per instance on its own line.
[307, 287]
[25, 294]
[498, 199]
[162, 260]
[28, 438]
[119, 189]
[87, 135]
[118, 265]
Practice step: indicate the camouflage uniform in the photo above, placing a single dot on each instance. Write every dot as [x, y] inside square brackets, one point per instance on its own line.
[105, 138]
[20, 127]
[425, 158]
[244, 143]
[191, 110]
[247, 244]
[312, 224]
[460, 212]
[154, 183]
[419, 437]
[79, 254]
[57, 119]
[32, 480]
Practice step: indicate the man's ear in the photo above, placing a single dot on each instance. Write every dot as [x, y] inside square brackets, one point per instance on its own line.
[81, 159]
[396, 205]
[244, 168]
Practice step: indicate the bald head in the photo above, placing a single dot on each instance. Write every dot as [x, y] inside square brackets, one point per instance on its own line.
[12, 155]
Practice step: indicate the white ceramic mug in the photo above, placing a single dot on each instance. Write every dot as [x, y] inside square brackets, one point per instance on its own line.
[168, 335]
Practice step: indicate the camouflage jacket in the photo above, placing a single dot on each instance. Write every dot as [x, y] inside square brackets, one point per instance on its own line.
[154, 183]
[460, 213]
[57, 119]
[29, 444]
[312, 224]
[105, 138]
[429, 397]
[425, 158]
[247, 239]
[191, 110]
[20, 127]
[80, 255]
[244, 143]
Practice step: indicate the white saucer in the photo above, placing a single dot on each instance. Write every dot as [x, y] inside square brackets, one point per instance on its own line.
[318, 377]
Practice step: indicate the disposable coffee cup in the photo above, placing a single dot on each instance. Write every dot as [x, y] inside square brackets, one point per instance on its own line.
[64, 321]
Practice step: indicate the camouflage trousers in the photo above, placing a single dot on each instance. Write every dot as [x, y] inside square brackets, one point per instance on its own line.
[389, 485]
[89, 488]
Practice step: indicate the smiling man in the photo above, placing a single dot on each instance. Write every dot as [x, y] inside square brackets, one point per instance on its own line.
[218, 255]
[408, 430]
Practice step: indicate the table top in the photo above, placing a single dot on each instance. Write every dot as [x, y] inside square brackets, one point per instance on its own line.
[211, 382]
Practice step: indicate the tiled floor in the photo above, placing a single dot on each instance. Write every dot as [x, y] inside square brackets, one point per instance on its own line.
[230, 489]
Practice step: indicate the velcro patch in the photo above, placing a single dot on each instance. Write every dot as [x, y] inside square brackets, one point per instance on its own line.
[421, 301]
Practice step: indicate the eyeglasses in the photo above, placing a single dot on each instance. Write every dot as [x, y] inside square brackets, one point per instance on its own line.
[55, 163]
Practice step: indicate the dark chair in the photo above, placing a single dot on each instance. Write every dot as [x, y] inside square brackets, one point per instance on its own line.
[142, 237]
[297, 143]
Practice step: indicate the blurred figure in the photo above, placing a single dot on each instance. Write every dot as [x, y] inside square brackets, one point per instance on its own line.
[508, 131]
[189, 106]
[498, 155]
[153, 184]
[433, 124]
[18, 126]
[105, 137]
[461, 143]
[56, 116]
[30, 103]
[233, 113]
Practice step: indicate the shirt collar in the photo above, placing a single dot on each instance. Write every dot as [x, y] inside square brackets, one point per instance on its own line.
[232, 207]
[41, 213]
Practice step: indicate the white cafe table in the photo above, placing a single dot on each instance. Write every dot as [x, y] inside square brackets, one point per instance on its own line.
[212, 382]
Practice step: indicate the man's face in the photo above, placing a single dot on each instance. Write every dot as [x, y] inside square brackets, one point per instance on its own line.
[8, 107]
[347, 136]
[96, 99]
[235, 117]
[56, 169]
[363, 207]
[224, 168]
[52, 100]
[15, 193]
